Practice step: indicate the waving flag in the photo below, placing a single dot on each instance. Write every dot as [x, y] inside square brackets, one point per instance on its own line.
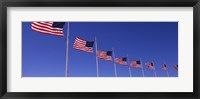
[105, 55]
[121, 61]
[164, 67]
[175, 67]
[53, 28]
[150, 65]
[135, 64]
[83, 45]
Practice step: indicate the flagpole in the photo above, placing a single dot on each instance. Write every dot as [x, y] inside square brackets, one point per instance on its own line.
[129, 66]
[115, 68]
[167, 70]
[97, 63]
[167, 73]
[67, 51]
[142, 67]
[154, 69]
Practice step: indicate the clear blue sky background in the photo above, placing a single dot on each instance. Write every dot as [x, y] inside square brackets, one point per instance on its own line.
[44, 55]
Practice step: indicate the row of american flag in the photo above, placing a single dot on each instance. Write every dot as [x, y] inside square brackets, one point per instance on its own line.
[56, 28]
[87, 46]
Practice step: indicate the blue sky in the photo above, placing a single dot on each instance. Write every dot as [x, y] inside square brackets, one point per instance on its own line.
[45, 55]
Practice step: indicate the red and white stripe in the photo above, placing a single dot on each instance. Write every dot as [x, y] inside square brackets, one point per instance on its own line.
[46, 28]
[80, 44]
[120, 61]
[164, 67]
[134, 64]
[148, 64]
[175, 67]
[103, 55]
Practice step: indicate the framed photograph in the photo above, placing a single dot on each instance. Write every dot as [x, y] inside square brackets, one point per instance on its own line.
[130, 49]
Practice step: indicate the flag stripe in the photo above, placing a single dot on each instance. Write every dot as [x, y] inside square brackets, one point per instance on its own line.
[134, 64]
[103, 55]
[46, 32]
[120, 61]
[46, 28]
[49, 26]
[80, 44]
[149, 65]
[164, 67]
[175, 67]
[84, 49]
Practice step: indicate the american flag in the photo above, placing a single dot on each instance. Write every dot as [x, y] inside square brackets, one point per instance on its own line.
[150, 65]
[53, 28]
[164, 67]
[121, 61]
[83, 45]
[135, 64]
[175, 67]
[105, 55]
